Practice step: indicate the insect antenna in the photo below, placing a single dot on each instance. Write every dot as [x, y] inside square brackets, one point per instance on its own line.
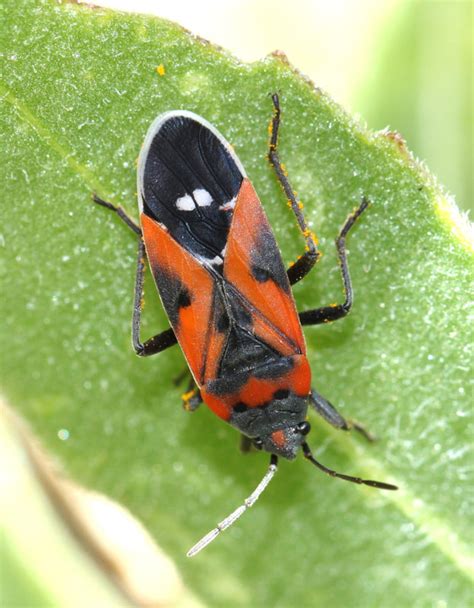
[234, 516]
[368, 482]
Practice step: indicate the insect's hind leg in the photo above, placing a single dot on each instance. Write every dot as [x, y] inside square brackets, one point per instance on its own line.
[331, 415]
[305, 263]
[164, 339]
[337, 311]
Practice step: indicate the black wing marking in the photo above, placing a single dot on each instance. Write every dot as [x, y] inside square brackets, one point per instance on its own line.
[188, 181]
[243, 352]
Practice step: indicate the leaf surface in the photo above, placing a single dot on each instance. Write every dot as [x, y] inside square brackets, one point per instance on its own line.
[80, 88]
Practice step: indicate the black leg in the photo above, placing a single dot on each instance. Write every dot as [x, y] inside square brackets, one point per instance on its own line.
[161, 341]
[192, 397]
[331, 415]
[303, 265]
[183, 374]
[337, 311]
[246, 444]
[120, 212]
[164, 339]
[299, 269]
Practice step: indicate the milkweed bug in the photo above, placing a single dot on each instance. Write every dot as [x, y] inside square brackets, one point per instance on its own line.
[225, 290]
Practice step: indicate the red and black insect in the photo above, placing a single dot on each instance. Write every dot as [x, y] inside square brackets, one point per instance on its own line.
[226, 292]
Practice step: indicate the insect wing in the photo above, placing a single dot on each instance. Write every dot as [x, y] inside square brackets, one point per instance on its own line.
[186, 291]
[254, 266]
[188, 181]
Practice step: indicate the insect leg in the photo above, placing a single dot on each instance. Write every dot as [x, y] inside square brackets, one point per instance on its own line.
[161, 341]
[192, 397]
[303, 265]
[337, 311]
[120, 212]
[181, 376]
[299, 269]
[164, 339]
[331, 415]
[246, 444]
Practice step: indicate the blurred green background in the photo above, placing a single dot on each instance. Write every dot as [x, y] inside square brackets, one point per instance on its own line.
[421, 85]
[402, 64]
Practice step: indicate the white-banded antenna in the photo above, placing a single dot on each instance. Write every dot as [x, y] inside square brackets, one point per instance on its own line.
[234, 516]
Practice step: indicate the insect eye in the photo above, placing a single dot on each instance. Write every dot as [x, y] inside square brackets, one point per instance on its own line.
[303, 427]
[258, 443]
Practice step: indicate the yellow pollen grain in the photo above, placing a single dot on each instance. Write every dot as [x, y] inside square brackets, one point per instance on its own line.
[160, 70]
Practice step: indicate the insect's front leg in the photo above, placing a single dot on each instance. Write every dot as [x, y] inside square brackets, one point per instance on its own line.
[331, 415]
[305, 263]
[333, 312]
[246, 444]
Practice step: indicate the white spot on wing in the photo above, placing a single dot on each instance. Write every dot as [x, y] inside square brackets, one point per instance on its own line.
[202, 197]
[216, 260]
[229, 205]
[185, 203]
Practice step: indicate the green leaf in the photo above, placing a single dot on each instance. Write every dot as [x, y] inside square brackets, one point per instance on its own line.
[80, 88]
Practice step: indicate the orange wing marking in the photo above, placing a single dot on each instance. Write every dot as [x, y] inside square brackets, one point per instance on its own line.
[167, 258]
